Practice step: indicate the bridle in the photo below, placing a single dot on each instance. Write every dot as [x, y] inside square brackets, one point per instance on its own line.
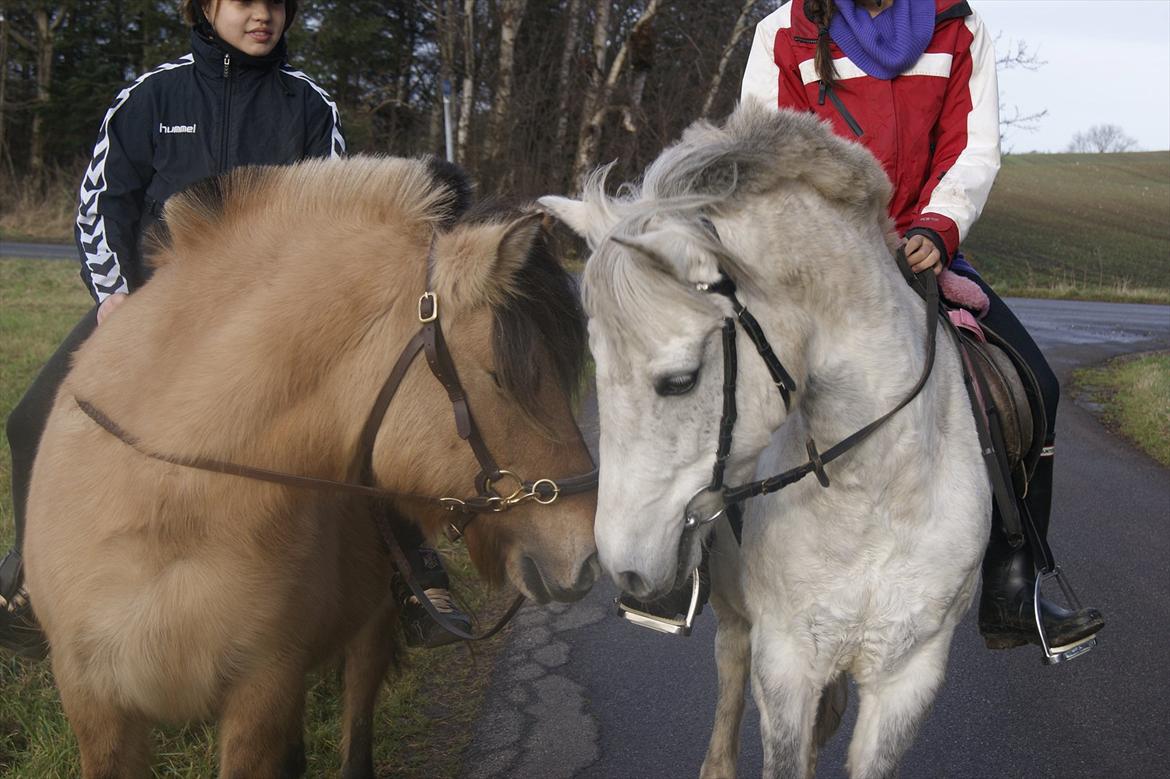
[709, 503]
[487, 500]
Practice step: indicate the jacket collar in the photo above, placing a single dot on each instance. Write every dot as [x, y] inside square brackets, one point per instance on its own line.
[944, 11]
[210, 51]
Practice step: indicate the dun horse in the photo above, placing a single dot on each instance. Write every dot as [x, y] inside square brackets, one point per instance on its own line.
[868, 576]
[281, 300]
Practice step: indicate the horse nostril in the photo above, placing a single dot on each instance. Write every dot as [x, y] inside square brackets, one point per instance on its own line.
[632, 583]
[588, 573]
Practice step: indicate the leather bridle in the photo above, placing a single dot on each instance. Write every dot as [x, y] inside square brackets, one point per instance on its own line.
[709, 503]
[429, 340]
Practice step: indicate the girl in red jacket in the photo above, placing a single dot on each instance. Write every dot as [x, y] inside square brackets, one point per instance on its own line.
[914, 81]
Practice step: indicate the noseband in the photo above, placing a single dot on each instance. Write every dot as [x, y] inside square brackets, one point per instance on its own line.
[709, 503]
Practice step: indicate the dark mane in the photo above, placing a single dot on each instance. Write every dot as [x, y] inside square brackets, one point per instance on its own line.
[542, 319]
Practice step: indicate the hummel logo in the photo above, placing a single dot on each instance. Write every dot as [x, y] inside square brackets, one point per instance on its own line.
[176, 128]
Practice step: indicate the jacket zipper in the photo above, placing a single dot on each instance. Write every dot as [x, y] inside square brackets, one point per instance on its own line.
[227, 104]
[840, 106]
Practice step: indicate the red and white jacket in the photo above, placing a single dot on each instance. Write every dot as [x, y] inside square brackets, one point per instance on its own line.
[934, 128]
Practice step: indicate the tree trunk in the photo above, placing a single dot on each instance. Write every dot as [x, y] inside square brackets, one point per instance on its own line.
[602, 92]
[512, 16]
[47, 25]
[467, 92]
[741, 26]
[565, 77]
[4, 154]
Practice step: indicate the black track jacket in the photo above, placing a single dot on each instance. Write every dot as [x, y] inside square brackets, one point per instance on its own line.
[195, 117]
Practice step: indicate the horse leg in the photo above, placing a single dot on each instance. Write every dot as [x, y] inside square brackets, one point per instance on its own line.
[113, 743]
[261, 726]
[733, 659]
[893, 706]
[787, 696]
[368, 656]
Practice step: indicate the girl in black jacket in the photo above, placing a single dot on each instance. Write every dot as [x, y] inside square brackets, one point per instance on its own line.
[232, 101]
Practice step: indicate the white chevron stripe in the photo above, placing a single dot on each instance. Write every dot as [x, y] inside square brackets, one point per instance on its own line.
[338, 140]
[90, 223]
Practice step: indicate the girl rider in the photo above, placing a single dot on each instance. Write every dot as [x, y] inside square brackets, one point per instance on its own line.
[914, 81]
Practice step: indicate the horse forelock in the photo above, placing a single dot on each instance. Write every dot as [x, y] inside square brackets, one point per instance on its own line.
[540, 319]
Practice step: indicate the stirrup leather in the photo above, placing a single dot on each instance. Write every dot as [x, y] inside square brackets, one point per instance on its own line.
[1059, 654]
[676, 627]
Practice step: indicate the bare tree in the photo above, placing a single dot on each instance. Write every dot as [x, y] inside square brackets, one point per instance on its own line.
[1018, 55]
[742, 25]
[568, 56]
[48, 21]
[600, 93]
[1102, 138]
[467, 91]
[511, 17]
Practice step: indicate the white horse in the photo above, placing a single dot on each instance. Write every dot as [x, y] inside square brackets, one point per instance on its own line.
[869, 576]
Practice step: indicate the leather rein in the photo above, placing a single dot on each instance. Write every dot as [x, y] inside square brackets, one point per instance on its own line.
[428, 340]
[709, 503]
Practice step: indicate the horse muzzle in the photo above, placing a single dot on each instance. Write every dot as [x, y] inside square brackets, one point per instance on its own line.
[541, 588]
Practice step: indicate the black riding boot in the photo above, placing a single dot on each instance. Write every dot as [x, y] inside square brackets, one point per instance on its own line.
[420, 627]
[19, 631]
[1007, 615]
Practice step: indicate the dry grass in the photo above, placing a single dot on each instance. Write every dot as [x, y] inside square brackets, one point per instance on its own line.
[44, 212]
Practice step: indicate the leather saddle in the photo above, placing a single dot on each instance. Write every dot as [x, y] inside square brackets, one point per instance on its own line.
[1005, 397]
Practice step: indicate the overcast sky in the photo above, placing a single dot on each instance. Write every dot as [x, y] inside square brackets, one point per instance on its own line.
[1108, 62]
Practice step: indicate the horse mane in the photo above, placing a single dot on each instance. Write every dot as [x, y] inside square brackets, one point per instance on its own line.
[539, 318]
[360, 189]
[710, 171]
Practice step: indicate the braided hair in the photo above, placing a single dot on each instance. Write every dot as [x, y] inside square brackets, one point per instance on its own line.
[820, 12]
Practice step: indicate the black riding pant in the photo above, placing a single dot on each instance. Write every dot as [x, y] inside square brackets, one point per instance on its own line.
[27, 421]
[1001, 319]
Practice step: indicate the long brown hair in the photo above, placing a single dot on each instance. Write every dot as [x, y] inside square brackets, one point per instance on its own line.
[190, 13]
[820, 12]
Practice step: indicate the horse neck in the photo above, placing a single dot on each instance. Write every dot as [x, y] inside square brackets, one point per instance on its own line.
[848, 328]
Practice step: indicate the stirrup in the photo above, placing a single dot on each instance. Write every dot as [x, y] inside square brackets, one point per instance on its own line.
[1059, 654]
[676, 627]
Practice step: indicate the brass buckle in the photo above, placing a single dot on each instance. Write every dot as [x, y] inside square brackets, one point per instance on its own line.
[434, 300]
[489, 485]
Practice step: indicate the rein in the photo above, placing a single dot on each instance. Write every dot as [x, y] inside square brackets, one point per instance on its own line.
[429, 340]
[712, 501]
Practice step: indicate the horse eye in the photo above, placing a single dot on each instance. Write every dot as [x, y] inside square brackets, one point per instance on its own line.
[678, 384]
[496, 378]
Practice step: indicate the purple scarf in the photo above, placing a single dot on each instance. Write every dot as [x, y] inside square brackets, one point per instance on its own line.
[887, 44]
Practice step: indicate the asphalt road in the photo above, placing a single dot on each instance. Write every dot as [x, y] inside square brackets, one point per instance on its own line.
[42, 251]
[579, 693]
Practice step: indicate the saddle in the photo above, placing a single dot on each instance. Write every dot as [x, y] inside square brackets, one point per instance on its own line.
[1009, 414]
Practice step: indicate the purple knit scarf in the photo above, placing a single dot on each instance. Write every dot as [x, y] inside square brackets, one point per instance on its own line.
[887, 44]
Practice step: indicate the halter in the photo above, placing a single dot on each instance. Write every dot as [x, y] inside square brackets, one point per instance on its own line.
[429, 340]
[709, 503]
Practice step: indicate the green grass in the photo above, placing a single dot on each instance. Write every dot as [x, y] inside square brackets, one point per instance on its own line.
[423, 721]
[1134, 394]
[1078, 226]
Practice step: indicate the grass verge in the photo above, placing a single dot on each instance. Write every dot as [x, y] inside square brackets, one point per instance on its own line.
[1133, 394]
[424, 719]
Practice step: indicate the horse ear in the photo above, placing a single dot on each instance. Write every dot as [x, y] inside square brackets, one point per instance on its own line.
[585, 219]
[477, 263]
[516, 244]
[672, 254]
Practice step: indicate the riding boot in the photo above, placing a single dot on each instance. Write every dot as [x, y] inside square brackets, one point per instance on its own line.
[421, 629]
[1007, 615]
[19, 631]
